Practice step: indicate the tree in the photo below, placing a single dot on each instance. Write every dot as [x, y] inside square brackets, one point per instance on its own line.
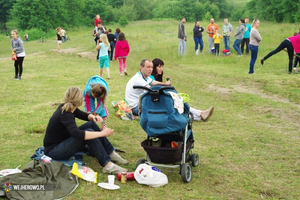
[5, 6]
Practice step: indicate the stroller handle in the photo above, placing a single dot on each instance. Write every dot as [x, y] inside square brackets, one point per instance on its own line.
[153, 91]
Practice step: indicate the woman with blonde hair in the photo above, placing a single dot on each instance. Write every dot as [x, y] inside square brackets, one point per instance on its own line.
[63, 138]
[255, 39]
[103, 48]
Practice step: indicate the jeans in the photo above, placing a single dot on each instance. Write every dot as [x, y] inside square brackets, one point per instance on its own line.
[198, 41]
[226, 40]
[99, 147]
[236, 46]
[182, 47]
[112, 47]
[245, 40]
[290, 49]
[135, 110]
[254, 51]
[210, 43]
[64, 37]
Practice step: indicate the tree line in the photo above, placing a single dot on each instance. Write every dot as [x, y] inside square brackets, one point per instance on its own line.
[49, 14]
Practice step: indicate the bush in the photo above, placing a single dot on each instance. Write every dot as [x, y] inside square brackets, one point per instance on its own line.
[123, 21]
[207, 16]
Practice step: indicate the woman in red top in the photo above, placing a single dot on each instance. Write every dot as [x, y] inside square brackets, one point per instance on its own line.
[292, 44]
[122, 50]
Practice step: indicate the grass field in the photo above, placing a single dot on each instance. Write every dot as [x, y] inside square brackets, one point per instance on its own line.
[250, 148]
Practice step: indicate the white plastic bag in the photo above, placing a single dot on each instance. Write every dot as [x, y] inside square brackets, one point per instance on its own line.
[149, 175]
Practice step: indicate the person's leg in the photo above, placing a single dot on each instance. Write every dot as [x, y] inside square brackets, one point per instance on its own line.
[228, 43]
[254, 51]
[215, 45]
[97, 57]
[66, 149]
[196, 44]
[101, 64]
[247, 45]
[242, 45]
[196, 113]
[236, 46]
[210, 43]
[124, 66]
[201, 44]
[225, 42]
[180, 47]
[278, 49]
[20, 62]
[217, 49]
[106, 63]
[16, 68]
[184, 47]
[290, 50]
[120, 65]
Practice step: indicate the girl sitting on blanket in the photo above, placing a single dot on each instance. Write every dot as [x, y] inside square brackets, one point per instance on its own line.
[96, 89]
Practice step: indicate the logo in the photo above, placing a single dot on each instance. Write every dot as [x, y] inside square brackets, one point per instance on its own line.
[7, 187]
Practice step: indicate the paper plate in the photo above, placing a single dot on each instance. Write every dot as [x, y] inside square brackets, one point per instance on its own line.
[9, 171]
[108, 186]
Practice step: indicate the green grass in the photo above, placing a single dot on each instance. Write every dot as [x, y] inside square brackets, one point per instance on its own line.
[248, 150]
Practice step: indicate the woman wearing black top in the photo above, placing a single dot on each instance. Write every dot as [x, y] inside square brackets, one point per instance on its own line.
[63, 138]
[198, 37]
[59, 40]
[111, 40]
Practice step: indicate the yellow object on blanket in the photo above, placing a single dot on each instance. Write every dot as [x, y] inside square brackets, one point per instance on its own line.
[84, 172]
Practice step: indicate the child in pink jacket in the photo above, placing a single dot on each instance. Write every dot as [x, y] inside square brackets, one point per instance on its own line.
[121, 52]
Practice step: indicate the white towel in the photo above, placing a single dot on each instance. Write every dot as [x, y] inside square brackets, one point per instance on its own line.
[178, 102]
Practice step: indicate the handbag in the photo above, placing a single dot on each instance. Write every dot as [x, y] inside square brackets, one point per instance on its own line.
[14, 56]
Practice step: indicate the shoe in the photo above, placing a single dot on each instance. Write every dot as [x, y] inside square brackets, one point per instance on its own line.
[19, 78]
[118, 159]
[125, 73]
[208, 114]
[16, 77]
[115, 169]
[262, 61]
[121, 74]
[240, 55]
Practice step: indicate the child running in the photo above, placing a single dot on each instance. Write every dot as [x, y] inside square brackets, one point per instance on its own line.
[18, 48]
[122, 50]
[59, 40]
[96, 89]
[217, 38]
[103, 48]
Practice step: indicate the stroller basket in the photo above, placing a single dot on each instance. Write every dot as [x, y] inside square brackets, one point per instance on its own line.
[163, 154]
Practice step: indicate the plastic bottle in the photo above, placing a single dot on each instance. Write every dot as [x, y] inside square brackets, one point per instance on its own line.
[129, 176]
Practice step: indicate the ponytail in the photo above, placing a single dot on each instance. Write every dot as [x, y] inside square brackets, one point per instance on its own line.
[73, 99]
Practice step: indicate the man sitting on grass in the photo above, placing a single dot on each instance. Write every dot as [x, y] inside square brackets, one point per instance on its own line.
[141, 78]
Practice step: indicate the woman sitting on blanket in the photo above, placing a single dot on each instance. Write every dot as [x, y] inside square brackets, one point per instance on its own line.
[64, 138]
[157, 74]
[96, 89]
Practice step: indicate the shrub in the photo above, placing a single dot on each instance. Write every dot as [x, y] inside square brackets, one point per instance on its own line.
[207, 16]
[123, 21]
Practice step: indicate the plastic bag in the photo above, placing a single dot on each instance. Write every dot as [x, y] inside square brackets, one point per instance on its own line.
[149, 175]
[123, 110]
[84, 172]
[14, 56]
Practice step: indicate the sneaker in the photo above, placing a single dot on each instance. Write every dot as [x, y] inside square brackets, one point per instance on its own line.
[19, 78]
[118, 159]
[125, 73]
[115, 169]
[240, 55]
[262, 61]
[121, 74]
[16, 77]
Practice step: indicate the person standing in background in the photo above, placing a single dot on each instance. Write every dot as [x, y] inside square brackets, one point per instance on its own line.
[255, 39]
[182, 38]
[217, 38]
[246, 37]
[59, 39]
[18, 48]
[26, 37]
[111, 40]
[227, 30]
[97, 19]
[198, 37]
[211, 28]
[122, 50]
[63, 34]
[239, 36]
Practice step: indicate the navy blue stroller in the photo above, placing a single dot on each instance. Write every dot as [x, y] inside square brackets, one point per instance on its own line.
[170, 137]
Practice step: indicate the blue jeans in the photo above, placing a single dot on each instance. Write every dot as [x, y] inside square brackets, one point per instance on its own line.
[198, 41]
[182, 47]
[226, 41]
[135, 110]
[236, 46]
[254, 51]
[112, 47]
[99, 147]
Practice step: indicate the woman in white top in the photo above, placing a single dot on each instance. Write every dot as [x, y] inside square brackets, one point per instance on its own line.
[255, 39]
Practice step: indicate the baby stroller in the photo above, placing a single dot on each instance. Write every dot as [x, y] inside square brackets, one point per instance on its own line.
[170, 137]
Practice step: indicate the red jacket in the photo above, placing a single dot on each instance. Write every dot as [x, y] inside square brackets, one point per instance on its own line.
[122, 49]
[98, 20]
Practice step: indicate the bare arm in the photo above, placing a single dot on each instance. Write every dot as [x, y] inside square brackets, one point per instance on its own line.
[161, 83]
[96, 134]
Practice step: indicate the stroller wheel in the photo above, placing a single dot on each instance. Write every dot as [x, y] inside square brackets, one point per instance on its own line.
[186, 173]
[140, 161]
[195, 159]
